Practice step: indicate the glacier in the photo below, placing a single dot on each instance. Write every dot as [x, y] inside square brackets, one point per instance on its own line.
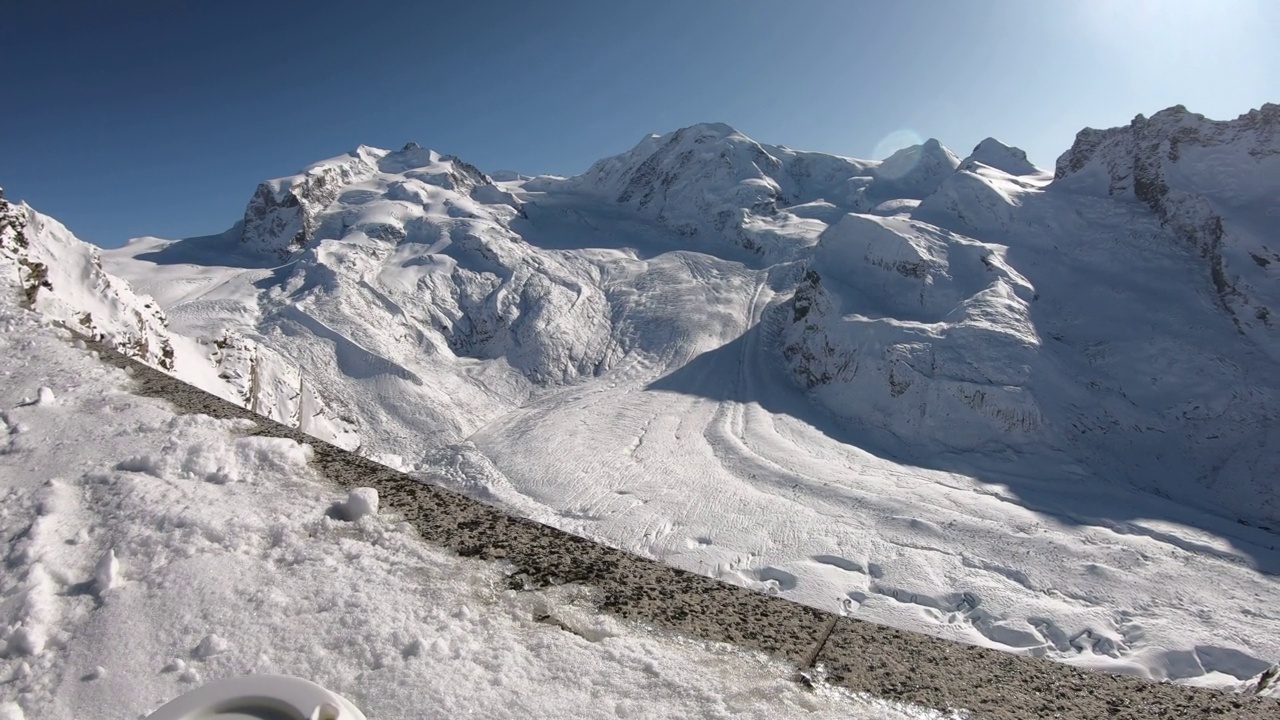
[1029, 409]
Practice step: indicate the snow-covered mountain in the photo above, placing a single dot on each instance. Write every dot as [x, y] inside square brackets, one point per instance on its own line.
[1214, 184]
[1094, 328]
[62, 277]
[964, 395]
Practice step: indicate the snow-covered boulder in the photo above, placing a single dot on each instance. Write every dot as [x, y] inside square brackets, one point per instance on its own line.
[361, 502]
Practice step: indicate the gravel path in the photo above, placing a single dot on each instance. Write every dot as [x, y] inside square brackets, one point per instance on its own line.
[823, 647]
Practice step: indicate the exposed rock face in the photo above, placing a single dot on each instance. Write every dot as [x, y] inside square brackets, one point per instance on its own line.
[1214, 183]
[281, 215]
[809, 353]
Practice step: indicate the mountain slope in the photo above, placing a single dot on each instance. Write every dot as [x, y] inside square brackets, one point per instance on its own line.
[1213, 183]
[849, 382]
[1142, 377]
[63, 278]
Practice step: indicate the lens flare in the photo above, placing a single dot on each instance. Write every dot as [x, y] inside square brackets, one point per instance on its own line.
[895, 141]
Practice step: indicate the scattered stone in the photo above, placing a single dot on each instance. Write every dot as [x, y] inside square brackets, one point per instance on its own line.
[107, 572]
[360, 502]
[211, 645]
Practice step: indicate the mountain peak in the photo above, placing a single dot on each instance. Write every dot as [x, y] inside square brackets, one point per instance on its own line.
[716, 129]
[915, 171]
[995, 154]
[928, 155]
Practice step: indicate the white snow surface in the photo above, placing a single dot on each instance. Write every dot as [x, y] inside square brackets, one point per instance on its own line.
[1011, 409]
[1215, 184]
[63, 278]
[148, 553]
[995, 154]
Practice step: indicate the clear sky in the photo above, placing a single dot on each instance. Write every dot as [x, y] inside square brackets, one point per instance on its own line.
[159, 117]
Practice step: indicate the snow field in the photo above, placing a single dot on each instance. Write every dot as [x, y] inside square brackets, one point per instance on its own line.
[148, 553]
[1022, 413]
[676, 434]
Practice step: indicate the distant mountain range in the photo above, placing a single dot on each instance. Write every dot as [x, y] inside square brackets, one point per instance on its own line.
[708, 304]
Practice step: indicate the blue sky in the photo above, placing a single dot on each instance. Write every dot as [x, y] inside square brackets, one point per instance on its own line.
[159, 117]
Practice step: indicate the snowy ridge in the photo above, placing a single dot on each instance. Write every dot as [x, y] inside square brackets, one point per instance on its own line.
[998, 156]
[711, 180]
[62, 277]
[915, 172]
[283, 215]
[846, 382]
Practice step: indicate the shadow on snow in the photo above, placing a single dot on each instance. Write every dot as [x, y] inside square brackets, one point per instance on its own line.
[1039, 481]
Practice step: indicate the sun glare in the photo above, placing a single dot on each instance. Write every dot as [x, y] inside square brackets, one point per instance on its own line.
[894, 142]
